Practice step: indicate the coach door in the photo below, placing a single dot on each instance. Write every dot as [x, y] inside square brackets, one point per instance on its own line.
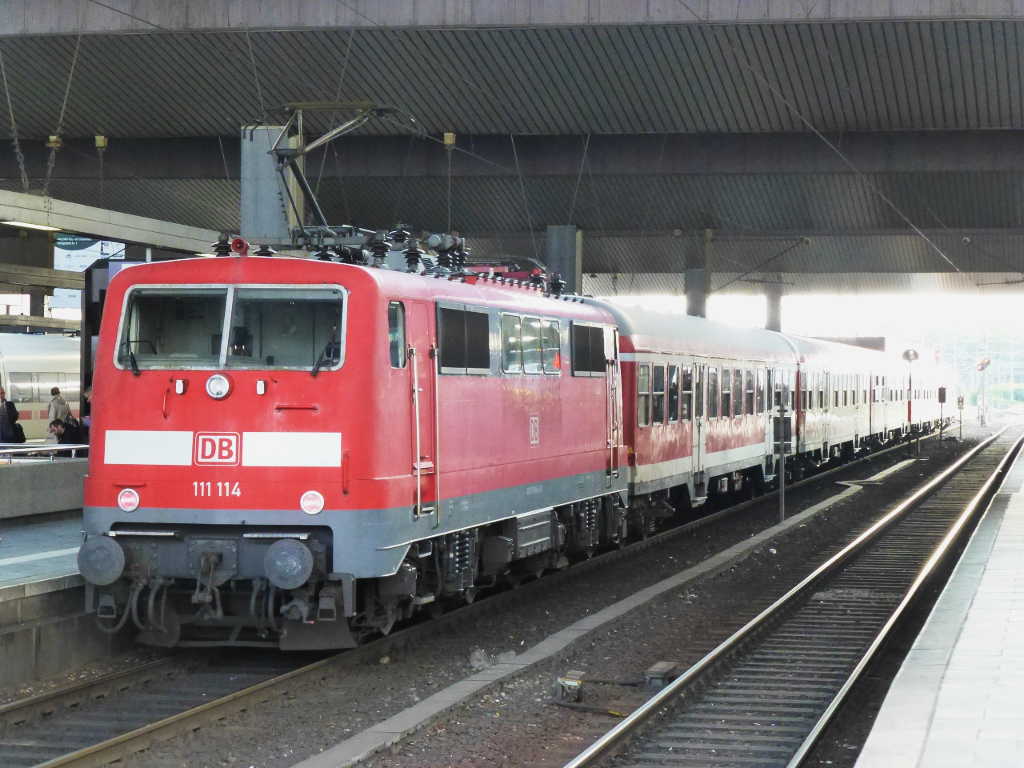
[421, 342]
[699, 424]
[613, 406]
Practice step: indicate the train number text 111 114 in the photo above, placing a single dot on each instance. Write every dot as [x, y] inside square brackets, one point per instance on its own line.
[207, 488]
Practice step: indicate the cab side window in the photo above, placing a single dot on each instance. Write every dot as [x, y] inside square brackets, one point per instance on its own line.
[465, 341]
[551, 343]
[396, 334]
[531, 345]
[511, 344]
[588, 356]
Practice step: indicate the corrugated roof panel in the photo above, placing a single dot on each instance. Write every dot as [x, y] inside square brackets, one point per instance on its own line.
[908, 75]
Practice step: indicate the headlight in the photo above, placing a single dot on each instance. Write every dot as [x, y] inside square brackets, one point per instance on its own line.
[312, 502]
[128, 499]
[218, 386]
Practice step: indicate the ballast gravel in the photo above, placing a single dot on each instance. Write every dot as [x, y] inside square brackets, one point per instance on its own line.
[516, 723]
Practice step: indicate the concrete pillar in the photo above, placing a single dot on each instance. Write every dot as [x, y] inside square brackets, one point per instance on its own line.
[564, 254]
[773, 292]
[37, 302]
[697, 276]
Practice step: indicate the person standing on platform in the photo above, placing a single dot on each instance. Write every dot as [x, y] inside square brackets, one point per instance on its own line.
[10, 429]
[59, 408]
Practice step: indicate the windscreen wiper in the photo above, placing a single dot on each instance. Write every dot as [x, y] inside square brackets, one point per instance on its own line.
[324, 357]
[319, 362]
[132, 361]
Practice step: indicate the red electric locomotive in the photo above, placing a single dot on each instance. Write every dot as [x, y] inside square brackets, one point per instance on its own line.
[298, 453]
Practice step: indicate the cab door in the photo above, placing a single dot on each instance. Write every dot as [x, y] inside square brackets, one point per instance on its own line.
[421, 349]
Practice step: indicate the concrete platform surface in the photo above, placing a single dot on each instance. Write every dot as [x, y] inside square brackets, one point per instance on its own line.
[39, 548]
[958, 699]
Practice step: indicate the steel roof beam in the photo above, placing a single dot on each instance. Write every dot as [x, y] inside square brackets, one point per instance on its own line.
[47, 17]
[104, 224]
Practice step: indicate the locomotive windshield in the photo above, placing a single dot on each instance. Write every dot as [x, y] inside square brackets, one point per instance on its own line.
[289, 327]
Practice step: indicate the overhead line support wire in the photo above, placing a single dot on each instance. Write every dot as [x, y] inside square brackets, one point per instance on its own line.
[129, 15]
[337, 98]
[51, 161]
[18, 154]
[745, 63]
[579, 178]
[526, 203]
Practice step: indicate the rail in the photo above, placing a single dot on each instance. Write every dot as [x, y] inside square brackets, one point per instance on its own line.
[9, 450]
[631, 724]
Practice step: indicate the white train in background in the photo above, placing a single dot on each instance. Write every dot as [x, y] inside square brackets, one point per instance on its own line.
[32, 364]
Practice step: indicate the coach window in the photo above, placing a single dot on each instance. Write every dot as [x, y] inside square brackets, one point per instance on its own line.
[658, 394]
[712, 392]
[396, 334]
[760, 389]
[726, 392]
[748, 388]
[587, 350]
[465, 342]
[821, 390]
[687, 399]
[23, 388]
[643, 395]
[673, 393]
[531, 345]
[551, 344]
[511, 344]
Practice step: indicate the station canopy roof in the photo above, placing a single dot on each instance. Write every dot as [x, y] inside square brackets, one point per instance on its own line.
[639, 122]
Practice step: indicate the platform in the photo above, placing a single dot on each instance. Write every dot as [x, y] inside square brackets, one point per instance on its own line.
[44, 629]
[39, 548]
[39, 486]
[957, 699]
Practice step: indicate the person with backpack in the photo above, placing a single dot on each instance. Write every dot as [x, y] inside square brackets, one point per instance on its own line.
[59, 408]
[10, 429]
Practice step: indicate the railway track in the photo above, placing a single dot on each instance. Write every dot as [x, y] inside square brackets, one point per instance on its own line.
[764, 695]
[114, 716]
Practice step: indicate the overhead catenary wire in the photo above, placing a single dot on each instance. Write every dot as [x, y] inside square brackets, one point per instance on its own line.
[224, 159]
[759, 267]
[18, 154]
[806, 122]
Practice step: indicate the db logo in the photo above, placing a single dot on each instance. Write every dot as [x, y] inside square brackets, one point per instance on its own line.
[216, 448]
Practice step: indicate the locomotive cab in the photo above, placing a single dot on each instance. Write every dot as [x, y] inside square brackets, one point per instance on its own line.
[220, 405]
